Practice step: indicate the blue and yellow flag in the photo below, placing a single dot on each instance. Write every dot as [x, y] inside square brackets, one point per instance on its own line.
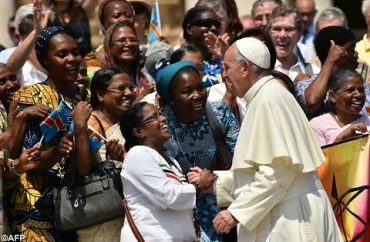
[155, 24]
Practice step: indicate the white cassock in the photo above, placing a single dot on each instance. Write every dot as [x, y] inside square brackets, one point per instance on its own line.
[272, 188]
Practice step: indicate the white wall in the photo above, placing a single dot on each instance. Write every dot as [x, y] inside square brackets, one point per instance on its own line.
[7, 9]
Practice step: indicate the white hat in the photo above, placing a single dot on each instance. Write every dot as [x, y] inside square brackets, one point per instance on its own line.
[255, 51]
[22, 12]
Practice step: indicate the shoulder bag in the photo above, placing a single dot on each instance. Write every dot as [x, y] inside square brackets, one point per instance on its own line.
[88, 200]
[224, 157]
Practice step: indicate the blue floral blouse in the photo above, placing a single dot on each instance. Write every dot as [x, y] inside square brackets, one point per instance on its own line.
[193, 145]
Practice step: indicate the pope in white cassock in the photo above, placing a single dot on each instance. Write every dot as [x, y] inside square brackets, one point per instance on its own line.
[272, 190]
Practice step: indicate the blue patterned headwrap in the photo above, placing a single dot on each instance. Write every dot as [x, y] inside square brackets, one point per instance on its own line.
[167, 74]
[43, 38]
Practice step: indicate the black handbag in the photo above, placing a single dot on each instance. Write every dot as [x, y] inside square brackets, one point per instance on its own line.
[91, 200]
[85, 201]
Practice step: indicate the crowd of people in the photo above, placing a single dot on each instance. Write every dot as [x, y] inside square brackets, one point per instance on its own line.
[217, 139]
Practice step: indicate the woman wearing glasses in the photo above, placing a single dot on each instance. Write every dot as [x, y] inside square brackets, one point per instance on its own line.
[111, 96]
[159, 198]
[121, 47]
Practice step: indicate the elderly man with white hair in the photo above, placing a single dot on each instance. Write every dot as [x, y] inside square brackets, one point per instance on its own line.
[272, 190]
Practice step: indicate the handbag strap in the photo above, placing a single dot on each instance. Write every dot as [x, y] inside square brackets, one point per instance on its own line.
[215, 126]
[131, 222]
[103, 134]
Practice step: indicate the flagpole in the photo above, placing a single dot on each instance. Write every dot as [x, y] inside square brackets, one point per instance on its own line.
[40, 142]
[96, 132]
[159, 19]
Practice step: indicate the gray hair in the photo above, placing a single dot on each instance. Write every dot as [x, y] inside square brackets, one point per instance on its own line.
[340, 77]
[260, 2]
[283, 11]
[333, 13]
[365, 6]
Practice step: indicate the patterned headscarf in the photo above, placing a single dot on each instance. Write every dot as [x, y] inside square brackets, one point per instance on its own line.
[43, 39]
[167, 74]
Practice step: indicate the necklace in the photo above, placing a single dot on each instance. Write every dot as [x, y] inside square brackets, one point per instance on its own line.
[341, 124]
[195, 146]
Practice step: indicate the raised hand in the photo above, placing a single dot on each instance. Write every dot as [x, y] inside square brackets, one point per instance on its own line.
[40, 17]
[81, 115]
[217, 45]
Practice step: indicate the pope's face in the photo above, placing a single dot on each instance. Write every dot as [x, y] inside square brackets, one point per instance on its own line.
[233, 72]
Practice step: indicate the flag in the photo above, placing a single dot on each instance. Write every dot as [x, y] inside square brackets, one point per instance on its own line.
[155, 23]
[95, 139]
[56, 121]
[345, 176]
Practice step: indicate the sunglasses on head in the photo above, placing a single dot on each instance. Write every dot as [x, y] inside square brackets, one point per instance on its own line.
[208, 23]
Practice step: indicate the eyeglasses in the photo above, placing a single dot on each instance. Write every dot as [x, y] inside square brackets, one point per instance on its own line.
[121, 89]
[278, 29]
[151, 118]
[12, 78]
[125, 41]
[207, 23]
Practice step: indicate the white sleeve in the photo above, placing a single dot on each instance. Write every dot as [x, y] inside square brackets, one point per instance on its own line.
[224, 188]
[143, 171]
[267, 187]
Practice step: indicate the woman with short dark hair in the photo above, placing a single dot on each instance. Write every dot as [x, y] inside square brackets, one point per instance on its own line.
[159, 197]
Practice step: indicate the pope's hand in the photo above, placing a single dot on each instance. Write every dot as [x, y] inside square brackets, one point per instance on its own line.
[224, 222]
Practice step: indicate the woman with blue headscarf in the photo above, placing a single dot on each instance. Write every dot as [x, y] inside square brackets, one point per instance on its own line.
[192, 141]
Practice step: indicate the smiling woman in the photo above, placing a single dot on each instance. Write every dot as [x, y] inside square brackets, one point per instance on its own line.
[346, 118]
[160, 198]
[112, 94]
[192, 142]
[58, 53]
[121, 48]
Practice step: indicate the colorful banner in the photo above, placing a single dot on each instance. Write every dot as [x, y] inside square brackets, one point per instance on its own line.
[155, 24]
[345, 176]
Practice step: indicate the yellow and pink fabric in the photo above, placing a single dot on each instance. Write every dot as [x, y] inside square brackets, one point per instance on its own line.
[345, 176]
